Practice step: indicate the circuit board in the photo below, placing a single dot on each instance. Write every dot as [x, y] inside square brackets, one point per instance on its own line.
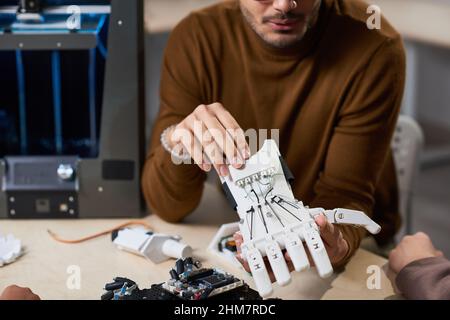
[189, 281]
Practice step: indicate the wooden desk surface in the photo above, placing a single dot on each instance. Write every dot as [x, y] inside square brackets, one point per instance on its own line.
[44, 265]
[425, 21]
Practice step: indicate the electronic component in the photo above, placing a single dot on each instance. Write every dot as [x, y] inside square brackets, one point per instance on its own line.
[224, 236]
[192, 283]
[272, 220]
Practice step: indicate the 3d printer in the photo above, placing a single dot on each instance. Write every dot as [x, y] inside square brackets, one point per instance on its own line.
[71, 108]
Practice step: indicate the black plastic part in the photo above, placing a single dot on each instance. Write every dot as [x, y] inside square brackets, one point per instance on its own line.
[42, 204]
[174, 274]
[287, 172]
[114, 286]
[118, 170]
[109, 295]
[187, 294]
[188, 262]
[197, 274]
[229, 196]
[123, 280]
[114, 234]
[206, 293]
[179, 266]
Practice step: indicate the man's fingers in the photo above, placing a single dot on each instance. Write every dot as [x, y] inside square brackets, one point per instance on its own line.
[242, 145]
[238, 239]
[220, 136]
[195, 150]
[329, 234]
[288, 259]
[243, 262]
[192, 131]
[335, 244]
[439, 253]
[233, 129]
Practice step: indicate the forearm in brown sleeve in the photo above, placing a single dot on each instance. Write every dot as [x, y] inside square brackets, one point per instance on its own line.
[425, 279]
[172, 191]
[361, 140]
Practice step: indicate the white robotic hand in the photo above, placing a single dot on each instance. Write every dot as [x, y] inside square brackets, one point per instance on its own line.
[272, 220]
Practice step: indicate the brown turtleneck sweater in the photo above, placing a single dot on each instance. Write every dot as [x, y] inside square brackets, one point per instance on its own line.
[335, 99]
[425, 279]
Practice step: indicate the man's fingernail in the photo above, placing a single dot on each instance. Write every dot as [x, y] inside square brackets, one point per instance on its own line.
[223, 171]
[237, 162]
[246, 153]
[207, 167]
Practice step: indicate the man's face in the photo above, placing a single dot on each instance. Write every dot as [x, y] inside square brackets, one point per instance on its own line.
[279, 22]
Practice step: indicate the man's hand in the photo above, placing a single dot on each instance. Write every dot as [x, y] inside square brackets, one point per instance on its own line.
[335, 244]
[410, 249]
[212, 137]
[18, 293]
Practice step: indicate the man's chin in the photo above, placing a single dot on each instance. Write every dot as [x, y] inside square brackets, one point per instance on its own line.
[283, 40]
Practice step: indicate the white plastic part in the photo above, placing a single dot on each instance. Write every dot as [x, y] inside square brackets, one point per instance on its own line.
[259, 272]
[346, 216]
[155, 247]
[278, 263]
[317, 250]
[225, 230]
[269, 213]
[10, 249]
[176, 249]
[294, 246]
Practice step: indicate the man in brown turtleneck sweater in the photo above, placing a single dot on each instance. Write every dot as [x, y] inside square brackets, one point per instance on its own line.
[311, 69]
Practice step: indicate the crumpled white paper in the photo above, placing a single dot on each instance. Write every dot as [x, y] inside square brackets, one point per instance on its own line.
[10, 249]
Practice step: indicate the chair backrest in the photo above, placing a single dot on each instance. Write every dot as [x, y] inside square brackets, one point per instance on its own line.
[406, 145]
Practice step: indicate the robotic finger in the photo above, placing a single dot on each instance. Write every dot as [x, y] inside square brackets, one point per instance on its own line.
[278, 263]
[259, 272]
[294, 246]
[317, 250]
[352, 217]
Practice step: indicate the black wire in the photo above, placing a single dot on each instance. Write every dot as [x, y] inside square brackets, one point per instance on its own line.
[276, 215]
[255, 194]
[262, 218]
[251, 211]
[289, 212]
[271, 208]
[288, 202]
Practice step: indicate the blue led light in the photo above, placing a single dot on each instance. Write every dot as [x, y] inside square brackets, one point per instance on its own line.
[56, 78]
[22, 103]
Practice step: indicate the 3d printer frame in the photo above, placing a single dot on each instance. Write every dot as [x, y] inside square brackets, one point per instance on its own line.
[106, 183]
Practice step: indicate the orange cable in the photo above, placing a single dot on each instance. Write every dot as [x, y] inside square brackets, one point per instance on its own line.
[99, 234]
